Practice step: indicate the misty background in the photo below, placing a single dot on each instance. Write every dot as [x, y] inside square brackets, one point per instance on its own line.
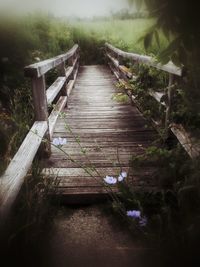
[65, 8]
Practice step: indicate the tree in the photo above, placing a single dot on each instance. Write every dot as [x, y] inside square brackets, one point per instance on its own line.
[179, 20]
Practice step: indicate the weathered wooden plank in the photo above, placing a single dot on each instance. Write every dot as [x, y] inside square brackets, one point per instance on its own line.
[104, 127]
[105, 144]
[81, 182]
[113, 60]
[70, 70]
[39, 99]
[41, 108]
[55, 113]
[56, 163]
[126, 71]
[157, 96]
[80, 172]
[39, 69]
[54, 89]
[70, 86]
[101, 131]
[13, 178]
[189, 142]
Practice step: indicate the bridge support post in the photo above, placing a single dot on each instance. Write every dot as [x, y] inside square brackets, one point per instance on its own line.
[41, 111]
[71, 63]
[62, 72]
[168, 109]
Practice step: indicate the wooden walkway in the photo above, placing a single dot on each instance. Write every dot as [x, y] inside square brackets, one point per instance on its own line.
[109, 133]
[102, 134]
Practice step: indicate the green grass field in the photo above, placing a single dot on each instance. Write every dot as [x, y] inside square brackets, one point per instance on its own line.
[124, 34]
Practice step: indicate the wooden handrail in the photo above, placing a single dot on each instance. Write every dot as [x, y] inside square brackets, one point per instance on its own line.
[40, 68]
[169, 67]
[189, 143]
[13, 178]
[67, 65]
[121, 72]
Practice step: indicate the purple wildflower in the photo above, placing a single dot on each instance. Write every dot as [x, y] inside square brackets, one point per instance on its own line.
[134, 214]
[110, 180]
[143, 221]
[59, 141]
[122, 176]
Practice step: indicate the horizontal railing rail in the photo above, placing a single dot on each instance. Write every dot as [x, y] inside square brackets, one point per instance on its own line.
[13, 178]
[169, 67]
[67, 65]
[43, 98]
[116, 59]
[40, 68]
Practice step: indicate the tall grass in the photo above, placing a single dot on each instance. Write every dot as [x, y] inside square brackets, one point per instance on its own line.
[125, 34]
[24, 40]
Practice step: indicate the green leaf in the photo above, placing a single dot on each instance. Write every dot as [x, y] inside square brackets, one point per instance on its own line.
[166, 33]
[138, 4]
[148, 40]
[175, 59]
[167, 53]
[157, 38]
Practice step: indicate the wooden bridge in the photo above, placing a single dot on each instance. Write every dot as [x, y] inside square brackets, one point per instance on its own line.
[102, 134]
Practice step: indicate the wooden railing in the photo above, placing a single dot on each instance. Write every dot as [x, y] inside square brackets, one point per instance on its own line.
[67, 65]
[116, 58]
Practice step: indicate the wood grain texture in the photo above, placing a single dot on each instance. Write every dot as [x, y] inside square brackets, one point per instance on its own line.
[13, 178]
[157, 96]
[55, 113]
[39, 98]
[187, 140]
[101, 133]
[54, 89]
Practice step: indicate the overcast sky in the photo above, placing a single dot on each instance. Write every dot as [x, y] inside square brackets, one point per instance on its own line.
[81, 8]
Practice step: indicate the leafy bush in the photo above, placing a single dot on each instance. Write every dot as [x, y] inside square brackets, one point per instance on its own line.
[24, 41]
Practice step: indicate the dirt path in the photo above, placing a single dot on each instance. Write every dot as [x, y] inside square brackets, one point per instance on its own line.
[89, 236]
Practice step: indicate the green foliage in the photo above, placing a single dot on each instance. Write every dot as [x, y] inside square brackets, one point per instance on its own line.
[184, 105]
[173, 209]
[179, 22]
[24, 41]
[31, 220]
[149, 78]
[124, 34]
[185, 110]
[121, 98]
[172, 19]
[125, 14]
[171, 169]
[91, 46]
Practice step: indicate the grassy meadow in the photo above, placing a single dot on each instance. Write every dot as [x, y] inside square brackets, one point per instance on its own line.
[125, 34]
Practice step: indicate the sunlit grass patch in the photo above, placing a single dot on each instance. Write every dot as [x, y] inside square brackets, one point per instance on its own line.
[124, 34]
[121, 98]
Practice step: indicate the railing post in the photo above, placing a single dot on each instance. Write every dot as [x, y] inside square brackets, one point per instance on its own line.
[41, 110]
[169, 97]
[62, 72]
[77, 64]
[61, 69]
[70, 63]
[39, 97]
